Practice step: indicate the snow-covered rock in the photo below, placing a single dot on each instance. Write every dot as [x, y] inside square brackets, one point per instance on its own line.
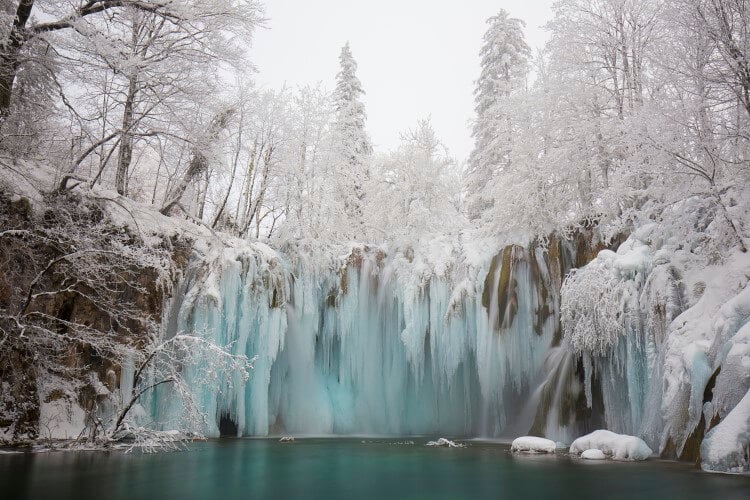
[533, 444]
[446, 443]
[617, 446]
[726, 447]
[593, 454]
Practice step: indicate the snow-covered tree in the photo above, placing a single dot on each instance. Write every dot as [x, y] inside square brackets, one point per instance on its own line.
[72, 281]
[418, 187]
[177, 364]
[131, 80]
[304, 191]
[504, 62]
[351, 143]
[81, 302]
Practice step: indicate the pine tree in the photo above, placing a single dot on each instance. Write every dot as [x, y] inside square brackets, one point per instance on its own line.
[504, 61]
[352, 146]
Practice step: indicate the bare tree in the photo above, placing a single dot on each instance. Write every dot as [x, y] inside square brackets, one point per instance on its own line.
[182, 363]
[727, 23]
[199, 161]
[196, 15]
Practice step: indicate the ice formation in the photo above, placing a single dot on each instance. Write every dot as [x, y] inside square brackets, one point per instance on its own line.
[385, 341]
[446, 443]
[666, 353]
[533, 444]
[617, 446]
[369, 343]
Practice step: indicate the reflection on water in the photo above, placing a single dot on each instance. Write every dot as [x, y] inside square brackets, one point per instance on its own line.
[347, 468]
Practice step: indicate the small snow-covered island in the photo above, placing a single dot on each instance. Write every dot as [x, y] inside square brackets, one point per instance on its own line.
[331, 249]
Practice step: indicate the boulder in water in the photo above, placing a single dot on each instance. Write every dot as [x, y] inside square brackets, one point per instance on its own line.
[593, 454]
[533, 444]
[617, 446]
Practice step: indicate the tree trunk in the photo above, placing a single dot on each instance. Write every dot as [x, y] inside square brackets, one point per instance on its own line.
[253, 212]
[235, 162]
[125, 156]
[204, 194]
[11, 48]
[198, 162]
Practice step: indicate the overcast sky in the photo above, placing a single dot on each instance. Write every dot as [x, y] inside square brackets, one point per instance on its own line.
[416, 58]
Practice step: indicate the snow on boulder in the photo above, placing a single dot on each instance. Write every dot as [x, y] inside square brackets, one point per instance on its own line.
[593, 454]
[446, 443]
[726, 447]
[533, 444]
[617, 446]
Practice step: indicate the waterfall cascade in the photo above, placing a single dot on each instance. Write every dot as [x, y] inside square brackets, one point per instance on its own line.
[375, 343]
[643, 341]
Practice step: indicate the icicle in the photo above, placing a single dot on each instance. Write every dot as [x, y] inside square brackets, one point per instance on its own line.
[369, 344]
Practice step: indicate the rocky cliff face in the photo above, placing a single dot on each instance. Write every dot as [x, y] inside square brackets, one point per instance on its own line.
[76, 291]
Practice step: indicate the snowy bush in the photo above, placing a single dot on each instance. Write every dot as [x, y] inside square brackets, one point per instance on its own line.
[590, 310]
[74, 296]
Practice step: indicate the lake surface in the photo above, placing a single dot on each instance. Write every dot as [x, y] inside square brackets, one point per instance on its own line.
[348, 469]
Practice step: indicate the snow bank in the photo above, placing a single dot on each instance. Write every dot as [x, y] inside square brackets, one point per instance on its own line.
[593, 454]
[726, 447]
[617, 446]
[532, 444]
[707, 337]
[446, 443]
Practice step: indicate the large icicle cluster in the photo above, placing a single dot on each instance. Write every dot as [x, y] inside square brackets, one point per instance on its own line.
[371, 342]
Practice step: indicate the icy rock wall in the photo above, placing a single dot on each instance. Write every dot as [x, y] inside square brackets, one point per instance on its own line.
[663, 341]
[373, 343]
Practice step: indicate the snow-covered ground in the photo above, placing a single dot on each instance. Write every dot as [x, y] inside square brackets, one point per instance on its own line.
[726, 447]
[593, 454]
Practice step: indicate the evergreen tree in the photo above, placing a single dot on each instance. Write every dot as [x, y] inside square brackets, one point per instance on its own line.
[352, 144]
[504, 60]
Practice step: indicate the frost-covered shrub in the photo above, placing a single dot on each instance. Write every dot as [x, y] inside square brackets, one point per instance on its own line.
[601, 301]
[77, 294]
[590, 310]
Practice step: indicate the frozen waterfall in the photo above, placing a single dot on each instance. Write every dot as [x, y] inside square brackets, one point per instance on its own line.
[371, 344]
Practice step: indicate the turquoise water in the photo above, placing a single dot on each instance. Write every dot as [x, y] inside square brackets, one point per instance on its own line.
[348, 469]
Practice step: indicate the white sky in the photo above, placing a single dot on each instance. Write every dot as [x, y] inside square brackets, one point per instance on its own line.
[416, 58]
